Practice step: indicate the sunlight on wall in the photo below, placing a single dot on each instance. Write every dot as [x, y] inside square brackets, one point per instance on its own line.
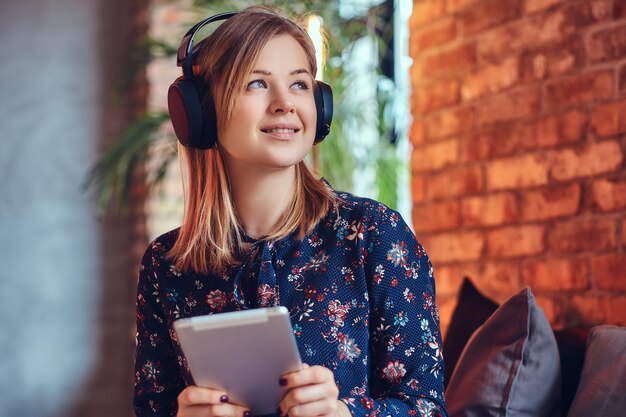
[314, 27]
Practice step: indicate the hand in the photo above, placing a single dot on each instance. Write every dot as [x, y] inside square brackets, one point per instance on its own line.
[311, 391]
[196, 401]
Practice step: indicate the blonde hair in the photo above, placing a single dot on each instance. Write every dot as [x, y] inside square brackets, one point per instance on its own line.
[210, 235]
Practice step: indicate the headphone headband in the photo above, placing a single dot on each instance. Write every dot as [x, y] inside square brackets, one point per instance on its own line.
[185, 50]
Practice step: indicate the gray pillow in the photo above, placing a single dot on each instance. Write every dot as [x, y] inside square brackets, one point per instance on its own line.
[602, 388]
[510, 366]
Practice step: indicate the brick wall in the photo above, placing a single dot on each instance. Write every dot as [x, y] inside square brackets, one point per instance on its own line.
[519, 136]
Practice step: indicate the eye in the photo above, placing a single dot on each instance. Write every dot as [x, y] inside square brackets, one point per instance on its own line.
[300, 85]
[257, 84]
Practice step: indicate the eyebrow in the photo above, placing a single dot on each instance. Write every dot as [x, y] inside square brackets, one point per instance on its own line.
[294, 72]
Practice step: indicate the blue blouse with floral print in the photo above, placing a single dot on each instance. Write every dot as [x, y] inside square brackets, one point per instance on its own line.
[361, 297]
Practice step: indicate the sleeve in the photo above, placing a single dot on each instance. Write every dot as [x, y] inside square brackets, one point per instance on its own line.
[406, 362]
[158, 376]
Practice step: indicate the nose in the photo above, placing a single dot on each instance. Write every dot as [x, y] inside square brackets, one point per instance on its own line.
[282, 103]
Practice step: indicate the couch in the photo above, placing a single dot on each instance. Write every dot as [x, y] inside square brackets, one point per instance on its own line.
[506, 361]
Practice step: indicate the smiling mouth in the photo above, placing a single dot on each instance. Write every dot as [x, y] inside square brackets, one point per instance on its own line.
[280, 130]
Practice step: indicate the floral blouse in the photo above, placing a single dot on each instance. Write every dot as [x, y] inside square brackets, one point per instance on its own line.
[361, 297]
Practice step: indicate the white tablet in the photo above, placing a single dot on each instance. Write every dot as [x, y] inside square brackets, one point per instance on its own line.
[242, 352]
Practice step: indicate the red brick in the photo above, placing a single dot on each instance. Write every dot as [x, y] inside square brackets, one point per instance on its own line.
[623, 229]
[551, 202]
[499, 280]
[619, 9]
[622, 80]
[593, 159]
[417, 133]
[452, 247]
[608, 195]
[448, 278]
[434, 156]
[509, 106]
[515, 241]
[449, 122]
[582, 235]
[609, 272]
[552, 309]
[436, 216]
[617, 310]
[601, 9]
[592, 310]
[501, 140]
[492, 210]
[531, 6]
[541, 29]
[609, 119]
[560, 129]
[451, 61]
[608, 44]
[554, 60]
[490, 79]
[566, 274]
[489, 13]
[436, 95]
[416, 72]
[581, 88]
[417, 188]
[517, 172]
[426, 11]
[455, 182]
[438, 186]
[433, 35]
[454, 6]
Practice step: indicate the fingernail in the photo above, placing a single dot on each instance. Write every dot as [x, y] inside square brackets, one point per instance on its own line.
[224, 399]
[247, 414]
[282, 382]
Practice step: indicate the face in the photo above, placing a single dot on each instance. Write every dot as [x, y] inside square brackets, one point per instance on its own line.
[274, 119]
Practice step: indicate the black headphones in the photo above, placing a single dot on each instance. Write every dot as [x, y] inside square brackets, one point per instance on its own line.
[195, 125]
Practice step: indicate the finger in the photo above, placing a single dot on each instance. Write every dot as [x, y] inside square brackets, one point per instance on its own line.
[283, 380]
[309, 394]
[194, 395]
[229, 410]
[220, 410]
[327, 407]
[307, 376]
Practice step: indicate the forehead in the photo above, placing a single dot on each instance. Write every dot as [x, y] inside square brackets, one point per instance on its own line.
[282, 53]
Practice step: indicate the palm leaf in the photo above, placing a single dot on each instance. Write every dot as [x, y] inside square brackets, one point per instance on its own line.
[112, 176]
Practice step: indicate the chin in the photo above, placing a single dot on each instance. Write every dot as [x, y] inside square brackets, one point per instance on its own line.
[283, 164]
[285, 161]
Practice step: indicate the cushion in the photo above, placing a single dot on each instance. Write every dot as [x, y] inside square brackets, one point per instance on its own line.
[571, 342]
[510, 366]
[471, 311]
[602, 387]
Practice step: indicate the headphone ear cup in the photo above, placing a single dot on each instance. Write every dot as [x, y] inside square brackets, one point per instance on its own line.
[209, 117]
[185, 111]
[194, 124]
[323, 95]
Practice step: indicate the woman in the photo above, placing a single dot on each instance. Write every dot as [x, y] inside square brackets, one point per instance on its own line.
[260, 230]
